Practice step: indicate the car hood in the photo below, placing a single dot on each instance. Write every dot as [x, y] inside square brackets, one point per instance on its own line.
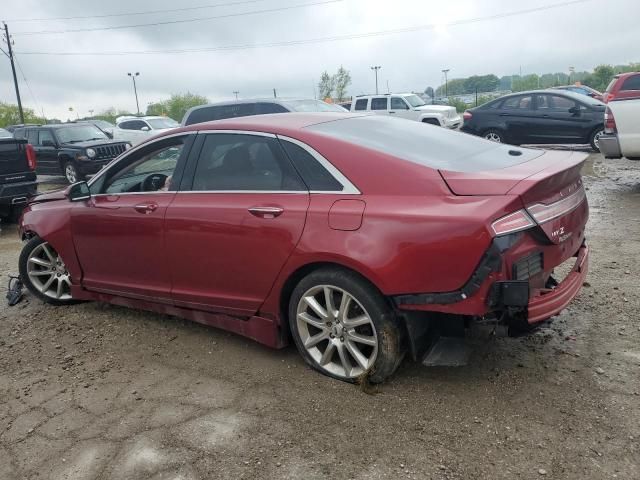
[53, 195]
[91, 143]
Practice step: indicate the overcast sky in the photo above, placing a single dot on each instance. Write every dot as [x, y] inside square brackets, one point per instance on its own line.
[580, 35]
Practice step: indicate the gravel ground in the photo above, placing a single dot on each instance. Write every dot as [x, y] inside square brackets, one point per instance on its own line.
[97, 391]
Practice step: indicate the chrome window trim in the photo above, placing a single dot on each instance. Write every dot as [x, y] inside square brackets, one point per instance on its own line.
[241, 132]
[131, 151]
[284, 192]
[348, 188]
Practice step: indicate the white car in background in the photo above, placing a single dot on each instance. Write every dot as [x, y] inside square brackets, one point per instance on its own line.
[409, 106]
[138, 129]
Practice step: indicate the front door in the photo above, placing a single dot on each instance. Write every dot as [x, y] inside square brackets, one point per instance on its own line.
[234, 223]
[558, 119]
[44, 144]
[119, 232]
[399, 108]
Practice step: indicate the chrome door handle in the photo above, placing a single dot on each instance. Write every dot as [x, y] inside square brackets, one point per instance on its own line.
[145, 208]
[266, 212]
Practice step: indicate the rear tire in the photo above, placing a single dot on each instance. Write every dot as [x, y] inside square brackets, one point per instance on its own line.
[356, 339]
[494, 135]
[593, 139]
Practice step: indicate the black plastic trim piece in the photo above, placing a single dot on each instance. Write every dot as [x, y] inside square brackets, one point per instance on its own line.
[490, 262]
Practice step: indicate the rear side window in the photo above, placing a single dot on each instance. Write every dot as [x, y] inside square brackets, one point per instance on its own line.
[19, 133]
[517, 103]
[379, 103]
[265, 108]
[244, 163]
[220, 112]
[43, 136]
[32, 136]
[631, 83]
[316, 177]
[361, 104]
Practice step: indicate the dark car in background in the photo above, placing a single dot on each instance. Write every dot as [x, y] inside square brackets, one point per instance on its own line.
[72, 150]
[538, 117]
[247, 108]
[581, 90]
[17, 174]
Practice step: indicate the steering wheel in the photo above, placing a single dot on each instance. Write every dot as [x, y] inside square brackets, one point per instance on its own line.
[154, 182]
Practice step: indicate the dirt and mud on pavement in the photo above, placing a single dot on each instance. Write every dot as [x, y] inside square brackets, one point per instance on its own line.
[98, 391]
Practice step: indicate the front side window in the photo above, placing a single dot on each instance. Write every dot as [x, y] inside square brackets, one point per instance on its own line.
[398, 103]
[379, 103]
[161, 123]
[132, 125]
[554, 103]
[148, 170]
[238, 162]
[517, 103]
[361, 104]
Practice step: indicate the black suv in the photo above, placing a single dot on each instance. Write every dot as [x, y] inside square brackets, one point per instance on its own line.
[72, 150]
[17, 176]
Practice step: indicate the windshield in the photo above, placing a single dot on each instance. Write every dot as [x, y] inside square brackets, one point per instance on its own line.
[313, 106]
[81, 133]
[103, 124]
[159, 123]
[5, 134]
[414, 100]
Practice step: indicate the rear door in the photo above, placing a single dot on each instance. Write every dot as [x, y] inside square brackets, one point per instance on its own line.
[237, 218]
[516, 114]
[45, 145]
[380, 105]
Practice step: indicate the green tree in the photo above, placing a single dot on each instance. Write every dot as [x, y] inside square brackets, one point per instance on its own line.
[10, 115]
[528, 82]
[429, 91]
[177, 105]
[481, 83]
[341, 80]
[326, 85]
[600, 77]
[455, 86]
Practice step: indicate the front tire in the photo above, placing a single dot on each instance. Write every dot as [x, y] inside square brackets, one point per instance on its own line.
[44, 273]
[595, 137]
[344, 328]
[71, 172]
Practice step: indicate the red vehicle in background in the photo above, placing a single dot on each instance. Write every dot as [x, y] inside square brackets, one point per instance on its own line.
[360, 237]
[624, 86]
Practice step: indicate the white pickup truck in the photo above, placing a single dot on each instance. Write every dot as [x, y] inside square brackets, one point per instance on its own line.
[409, 106]
[622, 118]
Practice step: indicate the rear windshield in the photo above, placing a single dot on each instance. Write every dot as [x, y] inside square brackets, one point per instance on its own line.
[426, 145]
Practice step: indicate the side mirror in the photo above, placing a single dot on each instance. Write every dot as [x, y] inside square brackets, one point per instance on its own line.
[48, 143]
[575, 110]
[78, 191]
[145, 129]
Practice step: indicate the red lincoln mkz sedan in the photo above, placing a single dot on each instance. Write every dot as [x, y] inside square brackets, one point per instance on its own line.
[360, 237]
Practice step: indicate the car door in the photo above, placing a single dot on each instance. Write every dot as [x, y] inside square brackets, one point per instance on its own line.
[399, 108]
[515, 116]
[119, 232]
[238, 216]
[46, 151]
[380, 105]
[559, 119]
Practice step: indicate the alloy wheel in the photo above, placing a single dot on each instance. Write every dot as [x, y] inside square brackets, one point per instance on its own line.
[493, 136]
[596, 139]
[336, 331]
[48, 273]
[70, 173]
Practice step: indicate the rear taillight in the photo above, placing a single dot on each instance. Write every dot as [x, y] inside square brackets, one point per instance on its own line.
[467, 115]
[31, 157]
[607, 97]
[514, 222]
[609, 122]
[543, 213]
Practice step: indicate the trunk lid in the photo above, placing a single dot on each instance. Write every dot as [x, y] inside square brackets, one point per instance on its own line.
[549, 185]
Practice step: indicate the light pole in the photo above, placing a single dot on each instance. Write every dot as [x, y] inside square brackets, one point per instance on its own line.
[236, 92]
[375, 69]
[135, 90]
[571, 70]
[446, 82]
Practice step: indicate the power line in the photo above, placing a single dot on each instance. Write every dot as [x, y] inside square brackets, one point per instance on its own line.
[130, 14]
[35, 100]
[174, 22]
[319, 39]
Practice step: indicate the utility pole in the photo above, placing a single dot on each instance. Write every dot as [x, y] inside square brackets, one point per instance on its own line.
[571, 70]
[9, 42]
[446, 82]
[375, 69]
[274, 93]
[135, 90]
[388, 89]
[236, 92]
